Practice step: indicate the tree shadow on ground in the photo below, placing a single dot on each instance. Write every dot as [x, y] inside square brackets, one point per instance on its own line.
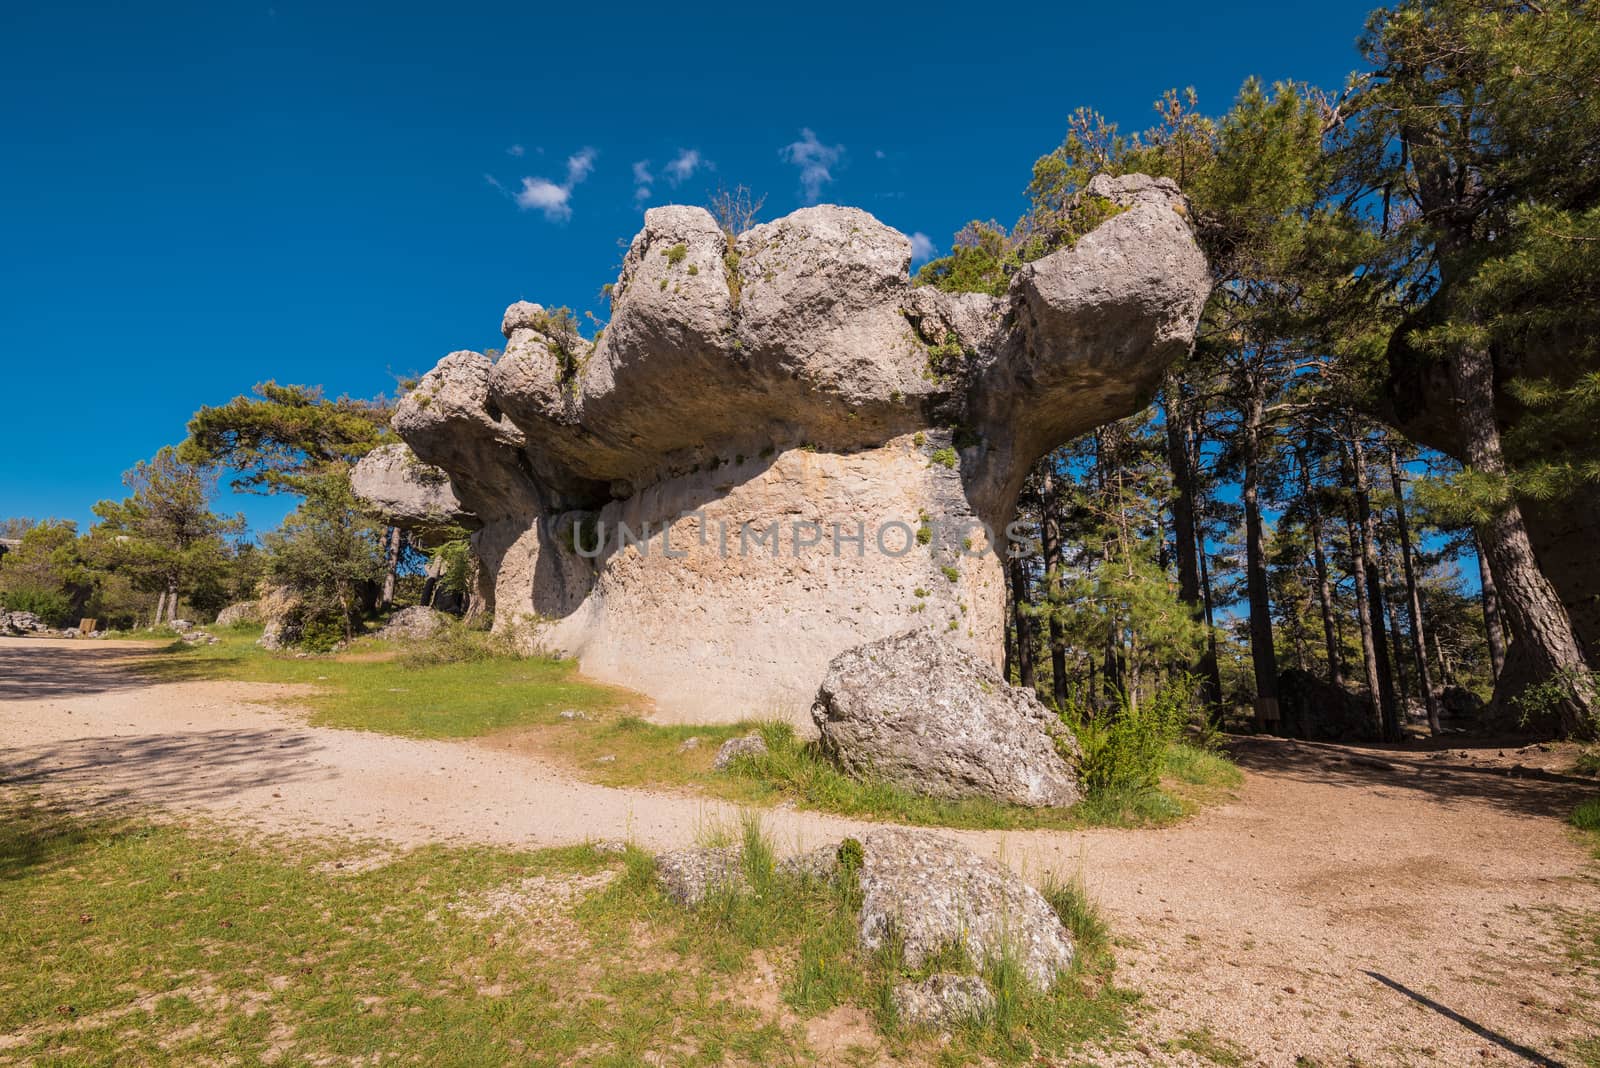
[1432, 773]
[1516, 1049]
[36, 669]
[99, 774]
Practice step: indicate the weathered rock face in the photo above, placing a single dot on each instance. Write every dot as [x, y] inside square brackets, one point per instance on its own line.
[414, 624]
[790, 385]
[239, 612]
[406, 491]
[932, 892]
[922, 713]
[941, 1000]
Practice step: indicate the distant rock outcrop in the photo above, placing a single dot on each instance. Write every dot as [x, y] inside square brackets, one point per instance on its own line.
[238, 613]
[780, 447]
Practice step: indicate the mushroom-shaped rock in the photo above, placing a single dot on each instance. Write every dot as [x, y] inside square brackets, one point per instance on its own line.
[780, 447]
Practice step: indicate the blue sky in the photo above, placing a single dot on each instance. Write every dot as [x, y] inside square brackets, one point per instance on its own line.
[196, 197]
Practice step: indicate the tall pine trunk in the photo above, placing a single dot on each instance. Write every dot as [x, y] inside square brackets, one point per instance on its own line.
[1319, 560]
[1185, 529]
[391, 568]
[1371, 575]
[1022, 621]
[1538, 620]
[1494, 631]
[1419, 640]
[1050, 545]
[1263, 656]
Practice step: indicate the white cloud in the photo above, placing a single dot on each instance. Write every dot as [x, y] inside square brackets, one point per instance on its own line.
[881, 154]
[516, 150]
[552, 198]
[922, 247]
[683, 166]
[642, 181]
[579, 165]
[548, 197]
[815, 160]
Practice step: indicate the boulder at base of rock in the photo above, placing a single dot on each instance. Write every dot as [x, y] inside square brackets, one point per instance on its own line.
[921, 713]
[932, 892]
[689, 875]
[751, 744]
[942, 999]
[242, 612]
[282, 617]
[414, 624]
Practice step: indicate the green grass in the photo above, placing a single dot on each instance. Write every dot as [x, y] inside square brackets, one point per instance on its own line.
[123, 941]
[811, 924]
[796, 772]
[1586, 817]
[370, 688]
[1587, 763]
[1210, 1048]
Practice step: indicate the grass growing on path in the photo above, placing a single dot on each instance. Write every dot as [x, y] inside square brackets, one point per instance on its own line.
[372, 689]
[123, 941]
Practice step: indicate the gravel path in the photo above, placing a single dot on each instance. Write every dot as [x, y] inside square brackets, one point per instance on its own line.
[1349, 907]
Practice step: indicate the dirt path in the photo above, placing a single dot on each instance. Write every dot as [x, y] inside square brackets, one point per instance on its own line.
[1347, 908]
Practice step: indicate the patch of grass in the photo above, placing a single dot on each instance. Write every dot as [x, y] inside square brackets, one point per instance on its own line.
[810, 924]
[1206, 1045]
[124, 942]
[1586, 817]
[1199, 765]
[368, 686]
[797, 772]
[1588, 762]
[1079, 914]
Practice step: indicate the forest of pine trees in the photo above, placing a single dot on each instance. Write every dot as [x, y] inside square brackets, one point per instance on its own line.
[1361, 503]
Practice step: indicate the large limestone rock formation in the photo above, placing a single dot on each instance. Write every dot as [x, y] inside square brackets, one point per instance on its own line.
[919, 712]
[790, 386]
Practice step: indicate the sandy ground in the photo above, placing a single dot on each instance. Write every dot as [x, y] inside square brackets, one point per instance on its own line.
[1350, 906]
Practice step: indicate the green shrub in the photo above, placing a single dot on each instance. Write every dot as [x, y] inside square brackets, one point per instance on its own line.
[945, 457]
[52, 606]
[676, 253]
[457, 642]
[1125, 749]
[1588, 762]
[1586, 817]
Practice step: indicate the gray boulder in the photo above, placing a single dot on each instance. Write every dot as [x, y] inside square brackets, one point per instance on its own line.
[240, 612]
[689, 876]
[924, 714]
[931, 892]
[751, 744]
[414, 624]
[941, 1000]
